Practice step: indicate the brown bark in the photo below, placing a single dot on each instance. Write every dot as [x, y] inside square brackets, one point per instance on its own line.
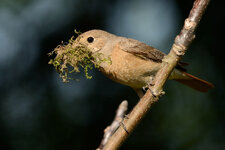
[181, 43]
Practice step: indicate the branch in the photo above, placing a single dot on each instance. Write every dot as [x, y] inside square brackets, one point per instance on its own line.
[181, 43]
[110, 130]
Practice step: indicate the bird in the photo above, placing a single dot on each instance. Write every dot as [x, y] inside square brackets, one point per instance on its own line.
[134, 63]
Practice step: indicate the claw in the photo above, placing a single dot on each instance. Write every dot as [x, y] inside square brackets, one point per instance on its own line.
[161, 93]
[153, 94]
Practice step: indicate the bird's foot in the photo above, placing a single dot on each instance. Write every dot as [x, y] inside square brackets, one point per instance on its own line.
[158, 94]
[150, 84]
[154, 94]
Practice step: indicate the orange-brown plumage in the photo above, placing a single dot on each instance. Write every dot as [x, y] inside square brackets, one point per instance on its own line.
[134, 63]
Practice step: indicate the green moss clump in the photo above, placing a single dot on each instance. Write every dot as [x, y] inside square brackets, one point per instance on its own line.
[75, 55]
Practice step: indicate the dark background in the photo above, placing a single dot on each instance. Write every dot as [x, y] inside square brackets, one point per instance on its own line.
[39, 112]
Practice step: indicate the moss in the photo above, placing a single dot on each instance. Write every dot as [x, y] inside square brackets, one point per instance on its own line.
[75, 55]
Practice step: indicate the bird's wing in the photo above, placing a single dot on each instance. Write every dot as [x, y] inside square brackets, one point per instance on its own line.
[141, 50]
[146, 52]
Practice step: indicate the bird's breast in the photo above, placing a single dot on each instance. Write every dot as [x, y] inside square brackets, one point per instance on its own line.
[129, 69]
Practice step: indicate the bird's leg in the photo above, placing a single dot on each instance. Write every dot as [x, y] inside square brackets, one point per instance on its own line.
[139, 92]
[151, 84]
[151, 81]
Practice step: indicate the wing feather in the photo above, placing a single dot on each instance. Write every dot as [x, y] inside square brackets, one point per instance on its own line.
[145, 51]
[141, 50]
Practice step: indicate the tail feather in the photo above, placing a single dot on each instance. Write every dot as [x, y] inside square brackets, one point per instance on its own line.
[196, 83]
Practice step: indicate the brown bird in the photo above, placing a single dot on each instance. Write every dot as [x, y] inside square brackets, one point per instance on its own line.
[134, 63]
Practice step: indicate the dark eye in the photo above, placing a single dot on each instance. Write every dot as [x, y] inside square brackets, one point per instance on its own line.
[90, 39]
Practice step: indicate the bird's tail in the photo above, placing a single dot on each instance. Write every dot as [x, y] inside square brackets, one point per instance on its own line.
[195, 83]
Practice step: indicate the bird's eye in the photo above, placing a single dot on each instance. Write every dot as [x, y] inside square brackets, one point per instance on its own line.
[90, 39]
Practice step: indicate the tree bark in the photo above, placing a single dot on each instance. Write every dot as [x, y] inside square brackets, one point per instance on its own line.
[181, 43]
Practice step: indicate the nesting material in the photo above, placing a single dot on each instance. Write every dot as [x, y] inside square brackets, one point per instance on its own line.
[77, 56]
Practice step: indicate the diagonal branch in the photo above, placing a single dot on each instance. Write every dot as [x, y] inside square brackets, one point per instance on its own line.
[110, 130]
[181, 43]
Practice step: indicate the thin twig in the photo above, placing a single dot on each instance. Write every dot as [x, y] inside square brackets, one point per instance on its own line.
[181, 43]
[110, 130]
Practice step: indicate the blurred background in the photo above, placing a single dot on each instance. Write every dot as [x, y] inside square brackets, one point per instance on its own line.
[40, 112]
